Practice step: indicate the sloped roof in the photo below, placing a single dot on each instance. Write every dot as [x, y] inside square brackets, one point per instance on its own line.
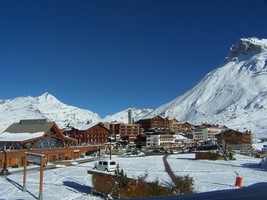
[180, 137]
[31, 129]
[150, 117]
[30, 126]
[83, 127]
[26, 130]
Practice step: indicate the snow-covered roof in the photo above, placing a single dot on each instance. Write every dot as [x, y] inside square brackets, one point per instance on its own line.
[259, 146]
[11, 137]
[149, 116]
[85, 126]
[180, 137]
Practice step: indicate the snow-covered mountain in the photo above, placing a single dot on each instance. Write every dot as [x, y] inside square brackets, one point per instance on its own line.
[122, 117]
[48, 107]
[44, 106]
[235, 94]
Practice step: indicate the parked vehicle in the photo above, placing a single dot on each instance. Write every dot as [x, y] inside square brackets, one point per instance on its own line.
[106, 165]
[264, 148]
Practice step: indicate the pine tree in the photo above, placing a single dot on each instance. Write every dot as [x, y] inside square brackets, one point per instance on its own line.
[121, 178]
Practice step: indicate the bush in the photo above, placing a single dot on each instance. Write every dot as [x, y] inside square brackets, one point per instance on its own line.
[120, 178]
[183, 185]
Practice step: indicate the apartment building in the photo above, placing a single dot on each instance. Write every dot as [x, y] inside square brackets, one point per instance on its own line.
[205, 133]
[127, 132]
[160, 138]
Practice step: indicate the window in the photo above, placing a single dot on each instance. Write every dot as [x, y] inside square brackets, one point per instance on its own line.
[112, 163]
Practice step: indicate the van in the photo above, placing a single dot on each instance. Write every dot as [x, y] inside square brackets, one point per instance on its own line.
[106, 165]
[264, 148]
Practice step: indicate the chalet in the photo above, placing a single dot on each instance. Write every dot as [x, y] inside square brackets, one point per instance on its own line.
[158, 122]
[89, 134]
[185, 127]
[173, 124]
[38, 136]
[235, 140]
[34, 134]
[151, 123]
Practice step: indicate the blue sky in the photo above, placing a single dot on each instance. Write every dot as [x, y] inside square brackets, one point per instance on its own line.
[107, 56]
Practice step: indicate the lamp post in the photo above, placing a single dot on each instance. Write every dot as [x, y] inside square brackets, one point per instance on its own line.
[110, 145]
[4, 171]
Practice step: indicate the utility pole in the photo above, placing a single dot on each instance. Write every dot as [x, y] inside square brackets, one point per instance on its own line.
[110, 145]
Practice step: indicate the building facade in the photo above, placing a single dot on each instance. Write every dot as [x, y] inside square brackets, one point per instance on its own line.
[89, 134]
[235, 140]
[160, 139]
[152, 123]
[204, 133]
[185, 127]
[127, 132]
[158, 122]
[173, 125]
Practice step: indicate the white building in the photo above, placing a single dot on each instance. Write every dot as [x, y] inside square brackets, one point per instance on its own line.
[205, 134]
[162, 138]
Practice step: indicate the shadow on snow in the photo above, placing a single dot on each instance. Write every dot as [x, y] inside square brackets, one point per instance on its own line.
[20, 187]
[78, 187]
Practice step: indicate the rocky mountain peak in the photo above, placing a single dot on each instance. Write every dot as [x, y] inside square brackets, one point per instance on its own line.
[246, 47]
[47, 97]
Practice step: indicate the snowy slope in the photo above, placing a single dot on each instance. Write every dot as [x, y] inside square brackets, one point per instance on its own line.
[235, 94]
[122, 116]
[44, 106]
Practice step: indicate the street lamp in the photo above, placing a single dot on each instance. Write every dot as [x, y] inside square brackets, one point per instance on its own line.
[4, 171]
[110, 145]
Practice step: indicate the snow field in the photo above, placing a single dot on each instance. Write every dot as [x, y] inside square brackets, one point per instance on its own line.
[73, 182]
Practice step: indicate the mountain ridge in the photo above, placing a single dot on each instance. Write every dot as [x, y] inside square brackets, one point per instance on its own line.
[47, 106]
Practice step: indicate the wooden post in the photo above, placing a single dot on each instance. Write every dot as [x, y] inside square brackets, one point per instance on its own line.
[41, 177]
[24, 173]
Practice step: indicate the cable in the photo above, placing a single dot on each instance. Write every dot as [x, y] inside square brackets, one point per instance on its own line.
[226, 158]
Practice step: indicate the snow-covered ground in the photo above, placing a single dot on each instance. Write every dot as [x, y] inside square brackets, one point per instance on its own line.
[74, 183]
